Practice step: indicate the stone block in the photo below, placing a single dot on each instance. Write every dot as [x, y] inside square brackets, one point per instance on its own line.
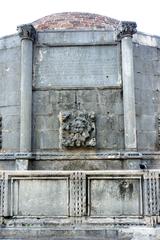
[10, 76]
[11, 41]
[41, 103]
[11, 122]
[106, 140]
[46, 140]
[10, 110]
[7, 165]
[147, 140]
[9, 98]
[10, 140]
[146, 123]
[110, 131]
[88, 96]
[42, 123]
[66, 101]
[146, 108]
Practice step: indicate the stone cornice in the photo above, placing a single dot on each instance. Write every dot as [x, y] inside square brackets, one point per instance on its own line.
[126, 29]
[81, 156]
[27, 31]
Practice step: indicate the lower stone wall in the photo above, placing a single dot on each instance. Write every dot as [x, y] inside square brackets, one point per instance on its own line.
[85, 198]
[80, 204]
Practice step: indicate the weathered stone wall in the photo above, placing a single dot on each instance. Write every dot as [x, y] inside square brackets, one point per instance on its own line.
[69, 79]
[10, 92]
[109, 117]
[147, 95]
[78, 75]
[50, 96]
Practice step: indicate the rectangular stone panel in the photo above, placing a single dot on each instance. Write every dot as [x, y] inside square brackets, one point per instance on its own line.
[77, 66]
[72, 38]
[39, 197]
[114, 197]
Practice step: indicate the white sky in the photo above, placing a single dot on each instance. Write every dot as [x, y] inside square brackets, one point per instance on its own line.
[145, 12]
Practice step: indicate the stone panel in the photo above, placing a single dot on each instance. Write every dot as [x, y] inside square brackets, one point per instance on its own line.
[115, 197]
[77, 66]
[40, 197]
[71, 38]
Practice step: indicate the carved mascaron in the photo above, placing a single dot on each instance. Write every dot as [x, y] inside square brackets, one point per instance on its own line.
[77, 129]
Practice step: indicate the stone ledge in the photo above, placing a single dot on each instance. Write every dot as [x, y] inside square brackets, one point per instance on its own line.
[79, 156]
[90, 234]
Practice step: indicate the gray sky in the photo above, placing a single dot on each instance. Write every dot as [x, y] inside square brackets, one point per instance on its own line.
[145, 12]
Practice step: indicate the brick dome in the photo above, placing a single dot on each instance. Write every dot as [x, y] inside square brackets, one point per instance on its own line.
[75, 20]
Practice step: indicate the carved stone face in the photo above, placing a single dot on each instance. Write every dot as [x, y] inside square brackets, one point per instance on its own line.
[78, 125]
[77, 129]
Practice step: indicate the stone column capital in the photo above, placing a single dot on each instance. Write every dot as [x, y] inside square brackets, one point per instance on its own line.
[127, 29]
[27, 31]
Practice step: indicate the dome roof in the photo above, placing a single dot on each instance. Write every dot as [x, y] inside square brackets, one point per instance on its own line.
[75, 21]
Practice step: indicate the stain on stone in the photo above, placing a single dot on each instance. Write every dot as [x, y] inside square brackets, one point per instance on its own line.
[126, 189]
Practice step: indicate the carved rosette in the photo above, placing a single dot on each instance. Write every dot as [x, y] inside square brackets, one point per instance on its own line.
[27, 31]
[127, 29]
[77, 129]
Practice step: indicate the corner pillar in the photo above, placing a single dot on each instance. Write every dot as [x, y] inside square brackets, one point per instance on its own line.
[126, 32]
[27, 34]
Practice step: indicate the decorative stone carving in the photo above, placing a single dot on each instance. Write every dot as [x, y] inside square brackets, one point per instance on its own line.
[77, 129]
[127, 29]
[151, 183]
[27, 31]
[78, 196]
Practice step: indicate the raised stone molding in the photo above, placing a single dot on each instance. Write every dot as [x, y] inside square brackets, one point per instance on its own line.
[27, 31]
[91, 156]
[78, 196]
[152, 200]
[77, 129]
[127, 29]
[158, 131]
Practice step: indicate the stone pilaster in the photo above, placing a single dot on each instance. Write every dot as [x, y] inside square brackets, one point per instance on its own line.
[27, 34]
[127, 29]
